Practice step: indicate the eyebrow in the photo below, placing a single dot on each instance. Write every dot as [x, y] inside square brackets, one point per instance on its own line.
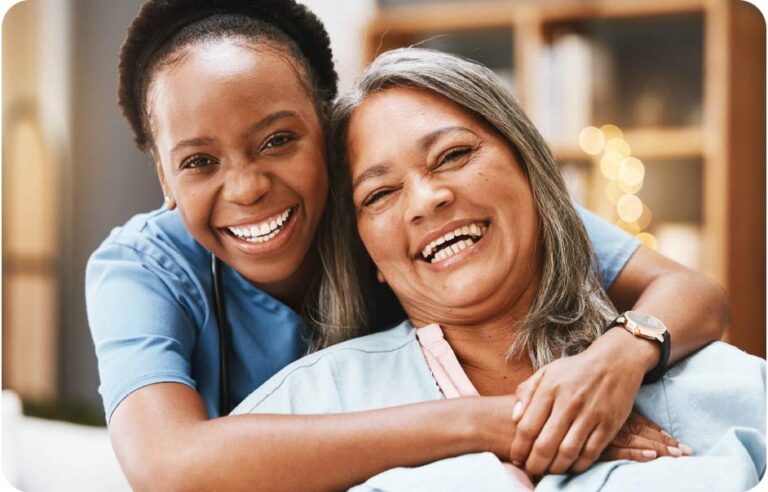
[374, 171]
[423, 144]
[256, 127]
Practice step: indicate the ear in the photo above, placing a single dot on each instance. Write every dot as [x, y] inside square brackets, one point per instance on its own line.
[170, 202]
[380, 277]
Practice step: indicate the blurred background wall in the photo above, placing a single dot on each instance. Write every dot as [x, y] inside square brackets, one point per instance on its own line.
[655, 109]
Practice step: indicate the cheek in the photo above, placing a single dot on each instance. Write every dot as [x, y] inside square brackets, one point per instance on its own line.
[384, 239]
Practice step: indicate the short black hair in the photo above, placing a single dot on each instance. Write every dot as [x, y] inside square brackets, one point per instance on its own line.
[163, 26]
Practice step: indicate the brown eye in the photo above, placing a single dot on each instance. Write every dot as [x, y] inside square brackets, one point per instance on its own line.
[454, 155]
[198, 161]
[278, 140]
[375, 197]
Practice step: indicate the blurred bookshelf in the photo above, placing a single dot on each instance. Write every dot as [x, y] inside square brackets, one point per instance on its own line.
[655, 110]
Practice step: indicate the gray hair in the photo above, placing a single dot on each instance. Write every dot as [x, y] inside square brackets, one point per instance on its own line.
[570, 309]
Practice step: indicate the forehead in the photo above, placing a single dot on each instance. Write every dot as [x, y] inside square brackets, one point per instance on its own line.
[395, 119]
[226, 80]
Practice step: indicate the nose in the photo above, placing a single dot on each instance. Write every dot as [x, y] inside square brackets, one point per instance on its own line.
[246, 184]
[426, 196]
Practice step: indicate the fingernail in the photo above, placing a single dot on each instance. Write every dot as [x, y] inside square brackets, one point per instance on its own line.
[675, 451]
[687, 450]
[517, 411]
[650, 454]
[666, 433]
[517, 463]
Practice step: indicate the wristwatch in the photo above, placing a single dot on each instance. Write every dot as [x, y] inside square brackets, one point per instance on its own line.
[646, 326]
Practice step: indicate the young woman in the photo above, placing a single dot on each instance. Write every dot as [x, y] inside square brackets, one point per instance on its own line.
[229, 99]
[462, 209]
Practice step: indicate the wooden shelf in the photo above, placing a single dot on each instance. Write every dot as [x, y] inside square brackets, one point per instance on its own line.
[647, 143]
[488, 14]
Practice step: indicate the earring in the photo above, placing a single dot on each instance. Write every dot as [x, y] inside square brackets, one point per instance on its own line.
[169, 203]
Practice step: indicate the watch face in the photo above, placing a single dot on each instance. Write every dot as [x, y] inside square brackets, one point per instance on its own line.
[647, 324]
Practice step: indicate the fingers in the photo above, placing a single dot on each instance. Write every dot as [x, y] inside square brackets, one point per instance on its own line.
[639, 432]
[545, 446]
[612, 453]
[570, 448]
[592, 450]
[529, 427]
[524, 393]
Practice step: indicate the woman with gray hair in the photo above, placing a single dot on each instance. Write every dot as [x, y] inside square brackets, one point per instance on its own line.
[462, 210]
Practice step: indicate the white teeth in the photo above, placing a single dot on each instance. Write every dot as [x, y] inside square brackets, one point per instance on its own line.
[475, 231]
[264, 231]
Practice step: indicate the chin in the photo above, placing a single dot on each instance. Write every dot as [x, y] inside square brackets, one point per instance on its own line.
[467, 293]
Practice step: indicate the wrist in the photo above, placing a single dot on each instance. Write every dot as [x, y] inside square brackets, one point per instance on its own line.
[637, 353]
[491, 425]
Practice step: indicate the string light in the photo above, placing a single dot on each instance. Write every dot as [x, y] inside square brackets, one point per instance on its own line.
[645, 218]
[609, 165]
[611, 131]
[629, 208]
[614, 192]
[591, 140]
[631, 171]
[647, 239]
[618, 145]
[625, 176]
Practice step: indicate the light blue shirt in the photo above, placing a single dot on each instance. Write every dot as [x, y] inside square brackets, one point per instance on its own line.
[713, 401]
[149, 298]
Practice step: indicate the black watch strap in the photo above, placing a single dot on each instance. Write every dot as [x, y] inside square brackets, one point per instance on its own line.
[657, 372]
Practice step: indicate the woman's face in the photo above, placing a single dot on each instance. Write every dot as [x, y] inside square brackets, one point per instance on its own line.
[239, 148]
[443, 207]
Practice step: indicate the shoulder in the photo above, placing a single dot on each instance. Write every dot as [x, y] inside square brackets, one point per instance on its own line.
[353, 375]
[154, 234]
[156, 243]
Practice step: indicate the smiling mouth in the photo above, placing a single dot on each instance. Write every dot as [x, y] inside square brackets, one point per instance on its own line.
[262, 232]
[453, 242]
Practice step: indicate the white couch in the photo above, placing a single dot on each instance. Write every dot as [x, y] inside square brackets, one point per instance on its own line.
[41, 455]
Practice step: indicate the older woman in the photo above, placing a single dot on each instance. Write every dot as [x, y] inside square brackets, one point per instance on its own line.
[463, 212]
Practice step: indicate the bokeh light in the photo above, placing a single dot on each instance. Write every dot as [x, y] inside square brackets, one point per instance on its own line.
[629, 208]
[613, 192]
[591, 140]
[630, 227]
[618, 145]
[645, 218]
[631, 171]
[647, 239]
[609, 165]
[629, 189]
[611, 132]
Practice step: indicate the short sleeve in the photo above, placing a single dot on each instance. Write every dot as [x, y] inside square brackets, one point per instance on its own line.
[139, 313]
[612, 246]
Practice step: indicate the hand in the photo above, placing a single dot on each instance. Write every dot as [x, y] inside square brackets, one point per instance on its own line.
[571, 408]
[640, 439]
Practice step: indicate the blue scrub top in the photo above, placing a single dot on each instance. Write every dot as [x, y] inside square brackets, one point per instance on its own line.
[149, 295]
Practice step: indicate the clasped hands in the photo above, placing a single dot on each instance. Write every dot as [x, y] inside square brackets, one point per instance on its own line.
[578, 410]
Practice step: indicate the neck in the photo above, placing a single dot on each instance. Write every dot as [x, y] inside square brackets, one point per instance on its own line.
[293, 290]
[482, 347]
